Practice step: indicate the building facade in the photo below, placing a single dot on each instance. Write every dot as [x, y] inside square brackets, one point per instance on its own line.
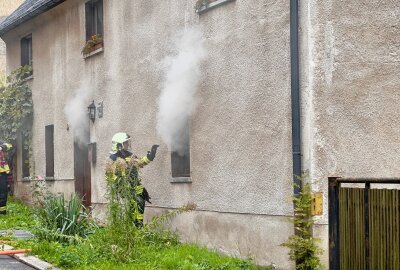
[240, 132]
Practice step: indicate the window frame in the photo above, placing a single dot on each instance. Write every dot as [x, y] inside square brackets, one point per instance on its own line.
[181, 164]
[49, 150]
[94, 23]
[26, 44]
[25, 154]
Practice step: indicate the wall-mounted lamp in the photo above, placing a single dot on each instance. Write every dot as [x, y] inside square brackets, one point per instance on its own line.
[100, 109]
[92, 111]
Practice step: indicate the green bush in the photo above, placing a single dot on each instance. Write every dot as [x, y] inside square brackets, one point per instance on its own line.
[302, 246]
[63, 221]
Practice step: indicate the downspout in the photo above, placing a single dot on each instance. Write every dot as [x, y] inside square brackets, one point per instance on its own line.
[295, 95]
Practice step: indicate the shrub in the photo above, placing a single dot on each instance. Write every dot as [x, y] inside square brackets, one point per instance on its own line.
[303, 247]
[63, 221]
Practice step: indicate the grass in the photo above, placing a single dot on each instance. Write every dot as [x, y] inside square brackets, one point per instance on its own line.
[19, 216]
[101, 250]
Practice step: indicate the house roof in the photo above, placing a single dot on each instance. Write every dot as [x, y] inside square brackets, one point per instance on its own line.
[26, 11]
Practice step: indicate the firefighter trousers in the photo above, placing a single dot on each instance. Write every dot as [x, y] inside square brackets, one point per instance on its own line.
[3, 192]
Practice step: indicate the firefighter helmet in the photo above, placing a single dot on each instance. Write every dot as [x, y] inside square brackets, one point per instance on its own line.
[117, 141]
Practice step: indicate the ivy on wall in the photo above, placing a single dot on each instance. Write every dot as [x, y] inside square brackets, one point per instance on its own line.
[16, 108]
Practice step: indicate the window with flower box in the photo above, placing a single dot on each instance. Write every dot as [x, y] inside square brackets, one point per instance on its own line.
[26, 52]
[94, 26]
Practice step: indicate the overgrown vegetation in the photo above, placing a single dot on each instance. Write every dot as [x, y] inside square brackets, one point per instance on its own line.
[60, 220]
[105, 248]
[302, 245]
[118, 245]
[15, 104]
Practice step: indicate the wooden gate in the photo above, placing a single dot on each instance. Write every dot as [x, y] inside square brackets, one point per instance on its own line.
[364, 225]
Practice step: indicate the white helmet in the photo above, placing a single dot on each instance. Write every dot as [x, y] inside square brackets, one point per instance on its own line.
[117, 141]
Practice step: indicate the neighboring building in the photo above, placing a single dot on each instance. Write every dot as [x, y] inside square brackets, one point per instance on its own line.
[6, 7]
[241, 133]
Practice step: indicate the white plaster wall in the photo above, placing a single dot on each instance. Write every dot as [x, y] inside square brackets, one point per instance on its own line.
[350, 89]
[240, 133]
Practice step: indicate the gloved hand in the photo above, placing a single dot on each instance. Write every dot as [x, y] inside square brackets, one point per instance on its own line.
[152, 153]
[146, 195]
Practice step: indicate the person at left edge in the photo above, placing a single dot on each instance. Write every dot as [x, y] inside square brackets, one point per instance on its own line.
[4, 171]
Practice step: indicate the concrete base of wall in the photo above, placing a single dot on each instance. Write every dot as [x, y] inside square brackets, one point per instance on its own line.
[247, 236]
[321, 231]
[23, 189]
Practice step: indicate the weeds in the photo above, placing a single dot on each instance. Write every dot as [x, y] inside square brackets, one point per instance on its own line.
[303, 247]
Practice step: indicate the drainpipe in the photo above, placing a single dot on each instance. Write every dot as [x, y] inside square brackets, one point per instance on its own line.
[295, 94]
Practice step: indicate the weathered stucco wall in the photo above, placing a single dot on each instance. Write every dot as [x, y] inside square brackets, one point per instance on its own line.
[240, 133]
[350, 88]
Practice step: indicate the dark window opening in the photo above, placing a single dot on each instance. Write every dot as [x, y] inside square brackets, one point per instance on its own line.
[26, 51]
[49, 150]
[25, 142]
[94, 19]
[180, 161]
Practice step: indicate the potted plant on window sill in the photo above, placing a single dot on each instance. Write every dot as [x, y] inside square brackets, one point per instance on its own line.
[95, 42]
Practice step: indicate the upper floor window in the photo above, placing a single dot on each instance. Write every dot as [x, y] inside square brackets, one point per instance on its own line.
[94, 18]
[26, 50]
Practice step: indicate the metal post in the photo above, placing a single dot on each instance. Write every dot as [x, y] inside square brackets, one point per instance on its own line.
[334, 234]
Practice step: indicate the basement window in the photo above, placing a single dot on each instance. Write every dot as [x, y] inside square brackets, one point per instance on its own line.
[203, 6]
[180, 161]
[26, 51]
[49, 150]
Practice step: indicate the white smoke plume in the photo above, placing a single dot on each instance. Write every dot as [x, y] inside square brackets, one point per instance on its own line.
[76, 113]
[177, 101]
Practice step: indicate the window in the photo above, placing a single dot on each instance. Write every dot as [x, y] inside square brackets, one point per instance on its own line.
[26, 51]
[25, 154]
[180, 161]
[94, 18]
[49, 150]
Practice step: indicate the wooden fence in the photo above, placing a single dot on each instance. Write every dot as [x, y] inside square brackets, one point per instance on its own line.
[364, 225]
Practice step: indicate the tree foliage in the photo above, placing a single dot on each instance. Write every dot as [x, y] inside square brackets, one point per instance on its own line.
[16, 108]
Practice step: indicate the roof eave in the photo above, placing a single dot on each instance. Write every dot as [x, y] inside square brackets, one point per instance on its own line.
[7, 25]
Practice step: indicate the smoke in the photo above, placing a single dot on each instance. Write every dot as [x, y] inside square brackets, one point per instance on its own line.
[76, 113]
[177, 101]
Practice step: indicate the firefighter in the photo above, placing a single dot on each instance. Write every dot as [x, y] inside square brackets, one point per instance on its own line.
[4, 171]
[120, 149]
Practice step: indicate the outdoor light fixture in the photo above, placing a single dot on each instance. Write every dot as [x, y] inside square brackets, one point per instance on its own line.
[92, 111]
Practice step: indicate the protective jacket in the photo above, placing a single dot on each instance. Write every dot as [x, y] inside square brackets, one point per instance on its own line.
[4, 168]
[139, 163]
[4, 171]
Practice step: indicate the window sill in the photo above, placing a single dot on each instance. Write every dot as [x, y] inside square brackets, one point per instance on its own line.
[176, 180]
[98, 51]
[29, 179]
[212, 5]
[30, 77]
